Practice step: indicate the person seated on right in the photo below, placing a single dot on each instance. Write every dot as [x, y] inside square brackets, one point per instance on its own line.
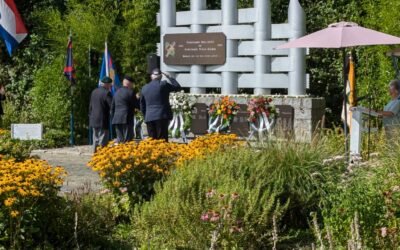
[391, 112]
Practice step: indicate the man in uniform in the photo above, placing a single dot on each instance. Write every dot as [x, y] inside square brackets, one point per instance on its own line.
[155, 106]
[122, 110]
[99, 113]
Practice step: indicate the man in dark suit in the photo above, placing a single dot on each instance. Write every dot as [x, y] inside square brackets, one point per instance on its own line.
[99, 113]
[155, 106]
[122, 110]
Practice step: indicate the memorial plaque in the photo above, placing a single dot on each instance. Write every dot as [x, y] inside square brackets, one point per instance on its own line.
[196, 48]
[240, 125]
[285, 121]
[199, 119]
[27, 131]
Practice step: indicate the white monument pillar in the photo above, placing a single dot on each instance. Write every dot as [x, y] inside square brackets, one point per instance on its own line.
[230, 17]
[262, 29]
[297, 22]
[197, 70]
[168, 19]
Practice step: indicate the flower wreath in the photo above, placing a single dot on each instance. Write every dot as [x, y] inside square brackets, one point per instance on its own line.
[259, 105]
[223, 109]
[182, 109]
[262, 114]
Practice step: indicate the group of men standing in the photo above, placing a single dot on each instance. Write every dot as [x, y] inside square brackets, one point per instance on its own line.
[153, 103]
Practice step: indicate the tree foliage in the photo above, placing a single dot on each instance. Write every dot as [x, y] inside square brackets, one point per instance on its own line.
[130, 29]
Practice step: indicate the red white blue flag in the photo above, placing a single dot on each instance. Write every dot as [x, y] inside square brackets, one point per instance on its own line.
[12, 28]
[108, 69]
[69, 70]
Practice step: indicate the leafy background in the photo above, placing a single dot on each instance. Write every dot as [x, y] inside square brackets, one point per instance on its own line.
[37, 91]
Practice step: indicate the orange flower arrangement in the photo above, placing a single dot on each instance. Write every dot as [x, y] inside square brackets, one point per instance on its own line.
[226, 108]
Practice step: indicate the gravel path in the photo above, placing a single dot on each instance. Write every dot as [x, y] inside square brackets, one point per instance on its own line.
[74, 160]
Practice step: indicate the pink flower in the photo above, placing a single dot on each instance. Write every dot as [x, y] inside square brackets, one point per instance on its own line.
[236, 229]
[215, 217]
[210, 193]
[234, 195]
[383, 232]
[205, 217]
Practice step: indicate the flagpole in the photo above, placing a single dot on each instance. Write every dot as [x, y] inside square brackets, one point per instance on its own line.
[72, 137]
[106, 58]
[108, 74]
[345, 105]
[90, 136]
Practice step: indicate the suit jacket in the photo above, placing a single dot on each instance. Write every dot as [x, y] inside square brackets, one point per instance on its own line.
[2, 98]
[123, 106]
[154, 99]
[99, 109]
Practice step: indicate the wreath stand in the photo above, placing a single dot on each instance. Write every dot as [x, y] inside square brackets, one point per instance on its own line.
[215, 124]
[177, 121]
[137, 128]
[262, 127]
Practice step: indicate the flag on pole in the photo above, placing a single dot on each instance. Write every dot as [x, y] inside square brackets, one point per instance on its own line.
[12, 28]
[350, 90]
[69, 70]
[108, 69]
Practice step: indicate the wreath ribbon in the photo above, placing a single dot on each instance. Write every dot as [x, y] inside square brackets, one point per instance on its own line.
[177, 120]
[137, 125]
[264, 125]
[212, 124]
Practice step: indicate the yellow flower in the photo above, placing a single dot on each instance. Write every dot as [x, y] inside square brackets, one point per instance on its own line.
[14, 213]
[9, 201]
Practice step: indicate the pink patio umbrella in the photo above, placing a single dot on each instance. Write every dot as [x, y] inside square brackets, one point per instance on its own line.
[342, 35]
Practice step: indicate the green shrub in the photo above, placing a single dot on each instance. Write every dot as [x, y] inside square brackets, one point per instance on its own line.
[367, 198]
[21, 149]
[284, 180]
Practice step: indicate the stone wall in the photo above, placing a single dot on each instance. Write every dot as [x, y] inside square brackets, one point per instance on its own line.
[307, 111]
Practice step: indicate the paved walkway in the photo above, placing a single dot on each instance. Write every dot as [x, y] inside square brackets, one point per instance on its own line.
[74, 160]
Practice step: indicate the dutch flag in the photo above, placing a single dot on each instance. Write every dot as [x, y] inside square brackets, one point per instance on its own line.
[12, 28]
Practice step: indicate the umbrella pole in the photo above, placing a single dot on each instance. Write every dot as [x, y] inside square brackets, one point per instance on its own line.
[345, 105]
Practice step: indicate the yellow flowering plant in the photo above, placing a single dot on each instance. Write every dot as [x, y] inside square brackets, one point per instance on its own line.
[135, 167]
[26, 189]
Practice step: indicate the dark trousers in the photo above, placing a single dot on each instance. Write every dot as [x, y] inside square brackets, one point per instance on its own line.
[124, 132]
[100, 138]
[158, 129]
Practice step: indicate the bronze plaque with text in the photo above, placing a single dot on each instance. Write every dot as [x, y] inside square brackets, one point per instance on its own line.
[196, 48]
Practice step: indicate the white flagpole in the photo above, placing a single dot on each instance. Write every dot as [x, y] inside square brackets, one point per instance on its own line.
[106, 58]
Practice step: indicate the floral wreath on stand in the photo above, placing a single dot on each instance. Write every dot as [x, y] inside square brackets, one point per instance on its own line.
[182, 115]
[222, 112]
[262, 116]
[137, 124]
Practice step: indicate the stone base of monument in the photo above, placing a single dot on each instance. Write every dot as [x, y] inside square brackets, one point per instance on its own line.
[298, 116]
